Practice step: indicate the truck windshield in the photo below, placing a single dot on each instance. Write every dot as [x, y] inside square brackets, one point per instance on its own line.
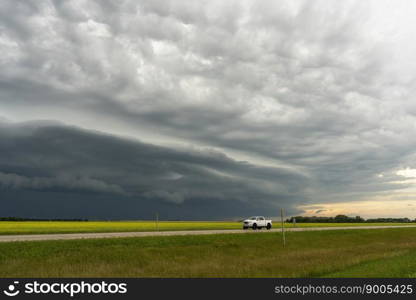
[253, 218]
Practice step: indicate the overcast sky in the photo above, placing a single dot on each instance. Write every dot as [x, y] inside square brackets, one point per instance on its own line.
[207, 109]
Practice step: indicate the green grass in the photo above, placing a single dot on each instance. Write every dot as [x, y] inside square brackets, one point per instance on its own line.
[36, 227]
[40, 227]
[400, 264]
[341, 253]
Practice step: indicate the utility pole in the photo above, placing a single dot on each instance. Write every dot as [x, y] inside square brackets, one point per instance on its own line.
[283, 227]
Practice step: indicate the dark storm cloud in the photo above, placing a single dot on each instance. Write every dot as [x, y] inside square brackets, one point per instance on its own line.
[53, 159]
[323, 88]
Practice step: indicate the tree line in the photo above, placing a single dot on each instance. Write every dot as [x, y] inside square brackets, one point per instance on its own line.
[346, 219]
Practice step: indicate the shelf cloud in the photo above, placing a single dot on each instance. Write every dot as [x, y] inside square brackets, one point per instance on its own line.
[49, 161]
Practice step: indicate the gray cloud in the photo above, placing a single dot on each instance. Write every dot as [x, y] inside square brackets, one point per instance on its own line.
[55, 159]
[14, 181]
[320, 91]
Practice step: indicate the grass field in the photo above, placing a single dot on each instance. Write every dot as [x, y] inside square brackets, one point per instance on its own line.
[39, 227]
[341, 253]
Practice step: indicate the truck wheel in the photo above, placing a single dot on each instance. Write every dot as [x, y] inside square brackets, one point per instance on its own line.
[269, 226]
[254, 226]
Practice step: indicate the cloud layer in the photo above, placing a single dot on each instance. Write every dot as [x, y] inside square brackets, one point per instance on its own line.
[316, 97]
[58, 161]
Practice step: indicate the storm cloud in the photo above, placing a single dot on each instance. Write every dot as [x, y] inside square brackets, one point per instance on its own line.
[58, 160]
[204, 109]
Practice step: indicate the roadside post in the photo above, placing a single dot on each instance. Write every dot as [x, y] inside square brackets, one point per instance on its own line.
[283, 227]
[157, 221]
[294, 222]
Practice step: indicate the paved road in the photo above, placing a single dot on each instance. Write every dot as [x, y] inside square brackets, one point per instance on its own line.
[74, 236]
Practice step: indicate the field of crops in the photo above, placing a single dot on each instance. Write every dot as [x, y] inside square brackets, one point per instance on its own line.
[338, 253]
[39, 227]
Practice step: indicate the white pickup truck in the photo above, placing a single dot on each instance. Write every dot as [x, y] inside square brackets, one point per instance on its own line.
[257, 222]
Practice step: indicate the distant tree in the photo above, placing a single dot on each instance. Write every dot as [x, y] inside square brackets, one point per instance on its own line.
[336, 219]
[389, 220]
[342, 219]
[358, 219]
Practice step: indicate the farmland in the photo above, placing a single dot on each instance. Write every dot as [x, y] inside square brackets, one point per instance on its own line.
[340, 253]
[44, 227]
